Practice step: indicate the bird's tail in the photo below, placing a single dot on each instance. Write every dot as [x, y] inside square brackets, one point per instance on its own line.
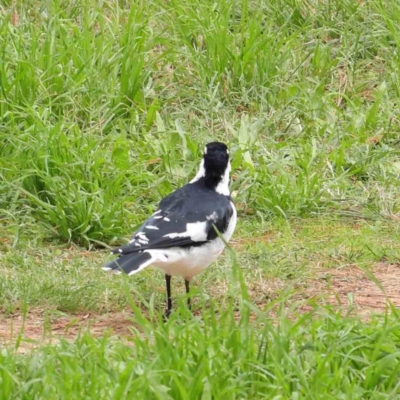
[130, 263]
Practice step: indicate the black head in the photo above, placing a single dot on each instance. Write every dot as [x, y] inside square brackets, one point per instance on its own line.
[214, 168]
[216, 158]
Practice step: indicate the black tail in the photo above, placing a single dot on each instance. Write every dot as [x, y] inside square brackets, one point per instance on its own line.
[129, 263]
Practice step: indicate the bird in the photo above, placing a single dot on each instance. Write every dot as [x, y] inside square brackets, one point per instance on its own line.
[188, 230]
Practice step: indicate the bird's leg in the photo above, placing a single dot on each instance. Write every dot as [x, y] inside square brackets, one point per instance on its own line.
[169, 300]
[187, 292]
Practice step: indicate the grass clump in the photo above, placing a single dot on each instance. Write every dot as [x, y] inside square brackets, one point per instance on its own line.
[313, 356]
[101, 100]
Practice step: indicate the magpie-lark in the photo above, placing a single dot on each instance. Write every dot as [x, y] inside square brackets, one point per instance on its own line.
[181, 237]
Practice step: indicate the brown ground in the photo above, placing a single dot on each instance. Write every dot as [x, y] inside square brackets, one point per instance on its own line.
[38, 328]
[367, 293]
[333, 286]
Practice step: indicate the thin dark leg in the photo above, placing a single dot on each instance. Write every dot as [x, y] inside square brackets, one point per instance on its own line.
[169, 300]
[187, 292]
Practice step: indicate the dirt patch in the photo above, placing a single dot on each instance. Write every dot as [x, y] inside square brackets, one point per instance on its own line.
[346, 286]
[39, 328]
[366, 292]
[351, 288]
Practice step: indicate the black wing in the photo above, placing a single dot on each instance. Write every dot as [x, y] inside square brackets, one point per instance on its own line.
[185, 218]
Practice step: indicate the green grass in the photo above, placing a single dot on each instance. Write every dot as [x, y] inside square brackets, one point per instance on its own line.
[327, 357]
[106, 106]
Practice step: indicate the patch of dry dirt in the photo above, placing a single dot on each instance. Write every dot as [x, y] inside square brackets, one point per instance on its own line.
[38, 329]
[358, 287]
[332, 286]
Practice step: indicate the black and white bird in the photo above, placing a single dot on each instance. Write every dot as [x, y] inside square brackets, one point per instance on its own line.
[181, 237]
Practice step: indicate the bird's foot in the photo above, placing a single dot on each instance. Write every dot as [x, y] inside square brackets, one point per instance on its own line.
[166, 315]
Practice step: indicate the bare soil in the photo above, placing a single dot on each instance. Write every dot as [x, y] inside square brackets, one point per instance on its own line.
[37, 328]
[367, 292]
[344, 287]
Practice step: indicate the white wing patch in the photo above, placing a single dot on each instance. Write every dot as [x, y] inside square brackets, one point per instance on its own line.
[166, 219]
[144, 265]
[196, 231]
[142, 238]
[134, 242]
[212, 217]
[152, 227]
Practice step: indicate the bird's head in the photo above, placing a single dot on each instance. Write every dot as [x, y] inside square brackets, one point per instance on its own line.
[215, 167]
[216, 158]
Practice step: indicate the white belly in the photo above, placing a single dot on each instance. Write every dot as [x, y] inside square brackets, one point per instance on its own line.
[189, 262]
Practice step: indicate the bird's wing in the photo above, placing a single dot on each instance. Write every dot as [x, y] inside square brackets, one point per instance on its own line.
[181, 220]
